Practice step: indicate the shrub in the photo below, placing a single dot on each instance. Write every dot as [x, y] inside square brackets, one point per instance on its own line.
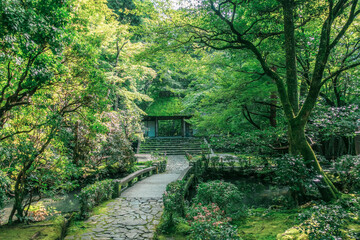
[325, 222]
[209, 222]
[174, 207]
[174, 198]
[161, 160]
[39, 212]
[94, 194]
[4, 185]
[347, 171]
[225, 195]
[214, 161]
[291, 171]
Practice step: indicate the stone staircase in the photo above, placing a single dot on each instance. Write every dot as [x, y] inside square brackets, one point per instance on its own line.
[173, 146]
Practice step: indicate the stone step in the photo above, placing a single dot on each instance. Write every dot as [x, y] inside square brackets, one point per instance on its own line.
[172, 141]
[175, 152]
[173, 146]
[169, 144]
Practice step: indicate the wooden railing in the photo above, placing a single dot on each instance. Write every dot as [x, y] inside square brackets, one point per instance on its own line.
[158, 167]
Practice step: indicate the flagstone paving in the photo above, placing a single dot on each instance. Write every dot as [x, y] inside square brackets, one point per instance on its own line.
[136, 213]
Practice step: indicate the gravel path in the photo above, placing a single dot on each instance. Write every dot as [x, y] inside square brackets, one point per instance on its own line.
[137, 212]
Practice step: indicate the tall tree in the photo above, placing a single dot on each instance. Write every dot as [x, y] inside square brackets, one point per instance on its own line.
[262, 29]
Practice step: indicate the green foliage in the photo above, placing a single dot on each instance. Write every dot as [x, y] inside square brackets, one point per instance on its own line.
[174, 207]
[225, 195]
[328, 221]
[161, 160]
[170, 106]
[347, 172]
[335, 121]
[123, 10]
[52, 230]
[214, 161]
[208, 222]
[291, 171]
[69, 95]
[254, 141]
[4, 187]
[94, 194]
[173, 198]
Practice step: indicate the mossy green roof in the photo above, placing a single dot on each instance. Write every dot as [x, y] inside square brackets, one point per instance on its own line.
[169, 106]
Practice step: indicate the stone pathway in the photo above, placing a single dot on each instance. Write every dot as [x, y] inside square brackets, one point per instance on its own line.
[137, 212]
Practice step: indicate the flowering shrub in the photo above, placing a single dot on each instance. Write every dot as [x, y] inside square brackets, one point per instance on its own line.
[39, 212]
[347, 170]
[326, 222]
[225, 195]
[210, 222]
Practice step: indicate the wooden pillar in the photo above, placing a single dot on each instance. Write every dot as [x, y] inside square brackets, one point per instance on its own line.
[183, 127]
[357, 143]
[156, 127]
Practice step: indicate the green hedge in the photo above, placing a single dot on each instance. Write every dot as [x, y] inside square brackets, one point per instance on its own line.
[94, 194]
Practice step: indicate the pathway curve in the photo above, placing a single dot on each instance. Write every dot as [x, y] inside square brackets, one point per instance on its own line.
[135, 214]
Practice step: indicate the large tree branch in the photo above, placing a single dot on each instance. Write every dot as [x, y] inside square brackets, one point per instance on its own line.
[248, 117]
[338, 72]
[349, 21]
[250, 46]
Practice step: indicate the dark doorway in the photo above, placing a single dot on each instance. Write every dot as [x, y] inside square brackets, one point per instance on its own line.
[169, 128]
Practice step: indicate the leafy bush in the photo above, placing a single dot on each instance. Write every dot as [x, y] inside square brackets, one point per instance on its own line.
[174, 207]
[214, 161]
[330, 221]
[4, 185]
[94, 194]
[292, 172]
[210, 222]
[225, 195]
[325, 222]
[161, 159]
[251, 141]
[174, 198]
[347, 170]
[39, 212]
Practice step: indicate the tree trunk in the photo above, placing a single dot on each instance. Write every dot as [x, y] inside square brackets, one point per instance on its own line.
[273, 109]
[300, 146]
[19, 197]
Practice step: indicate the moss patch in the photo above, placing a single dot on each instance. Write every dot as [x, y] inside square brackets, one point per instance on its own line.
[78, 227]
[266, 225]
[48, 230]
[170, 106]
